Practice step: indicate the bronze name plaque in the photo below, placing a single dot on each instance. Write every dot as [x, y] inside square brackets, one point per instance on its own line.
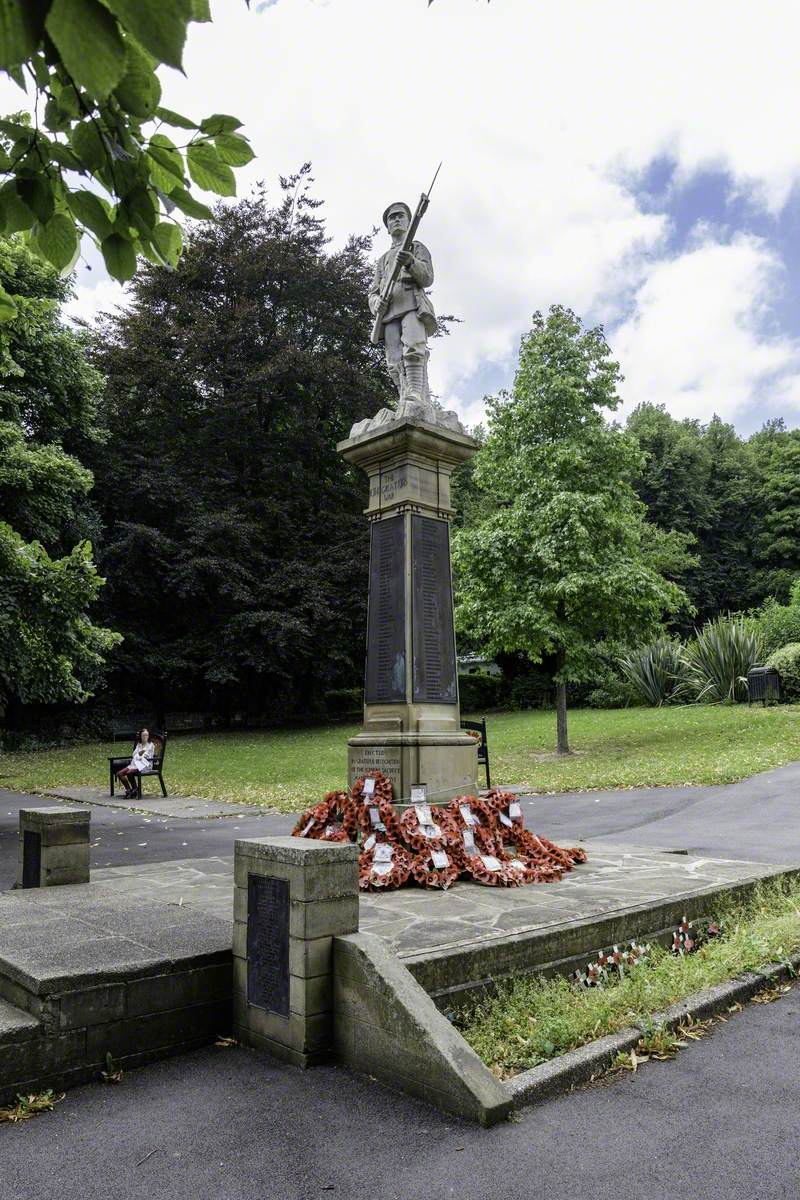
[268, 943]
[432, 634]
[31, 859]
[385, 681]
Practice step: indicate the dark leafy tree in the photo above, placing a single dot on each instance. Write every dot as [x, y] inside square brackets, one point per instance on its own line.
[49, 648]
[236, 545]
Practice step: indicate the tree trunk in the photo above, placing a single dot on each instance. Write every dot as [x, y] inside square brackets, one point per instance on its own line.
[562, 740]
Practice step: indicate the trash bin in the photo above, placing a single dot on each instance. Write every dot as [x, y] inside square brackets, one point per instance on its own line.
[763, 683]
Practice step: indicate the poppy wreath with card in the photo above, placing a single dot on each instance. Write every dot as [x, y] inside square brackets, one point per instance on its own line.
[375, 875]
[332, 820]
[483, 830]
[504, 874]
[380, 800]
[442, 833]
[427, 874]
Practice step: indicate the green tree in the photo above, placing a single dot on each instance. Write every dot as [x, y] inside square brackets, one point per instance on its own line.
[776, 454]
[236, 545]
[563, 558]
[51, 651]
[699, 480]
[94, 160]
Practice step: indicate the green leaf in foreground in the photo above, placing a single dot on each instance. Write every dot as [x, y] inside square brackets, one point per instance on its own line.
[158, 25]
[90, 44]
[58, 240]
[91, 211]
[166, 237]
[139, 90]
[119, 256]
[186, 202]
[19, 32]
[209, 171]
[233, 149]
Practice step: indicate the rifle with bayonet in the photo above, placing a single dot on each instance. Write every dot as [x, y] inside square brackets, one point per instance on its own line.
[408, 241]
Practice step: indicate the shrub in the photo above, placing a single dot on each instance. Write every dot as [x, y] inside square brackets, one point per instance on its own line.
[778, 625]
[657, 672]
[479, 692]
[531, 691]
[786, 662]
[720, 656]
[342, 703]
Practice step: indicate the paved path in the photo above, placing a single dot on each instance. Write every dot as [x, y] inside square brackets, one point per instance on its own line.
[718, 1123]
[758, 819]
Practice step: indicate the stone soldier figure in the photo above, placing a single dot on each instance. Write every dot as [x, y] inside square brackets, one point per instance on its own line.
[408, 316]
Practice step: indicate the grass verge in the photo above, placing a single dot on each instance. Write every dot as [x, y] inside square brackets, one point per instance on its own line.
[530, 1020]
[617, 748]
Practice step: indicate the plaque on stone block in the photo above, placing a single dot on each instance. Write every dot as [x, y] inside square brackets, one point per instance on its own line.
[386, 619]
[268, 944]
[432, 634]
[31, 859]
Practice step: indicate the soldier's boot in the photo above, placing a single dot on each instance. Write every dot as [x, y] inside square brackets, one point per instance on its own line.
[415, 379]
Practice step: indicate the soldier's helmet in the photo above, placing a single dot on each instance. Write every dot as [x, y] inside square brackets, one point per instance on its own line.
[395, 204]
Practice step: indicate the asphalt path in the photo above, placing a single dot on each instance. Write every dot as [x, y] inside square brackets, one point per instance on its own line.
[757, 819]
[720, 1122]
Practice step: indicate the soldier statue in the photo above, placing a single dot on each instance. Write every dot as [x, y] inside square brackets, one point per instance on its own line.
[404, 320]
[407, 316]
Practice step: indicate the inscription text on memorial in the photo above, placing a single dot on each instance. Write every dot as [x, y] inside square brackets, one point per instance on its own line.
[385, 681]
[432, 633]
[268, 943]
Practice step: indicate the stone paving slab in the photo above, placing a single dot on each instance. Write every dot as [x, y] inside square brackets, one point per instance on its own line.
[418, 924]
[88, 933]
[156, 804]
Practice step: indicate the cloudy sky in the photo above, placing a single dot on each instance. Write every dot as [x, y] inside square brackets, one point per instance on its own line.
[638, 162]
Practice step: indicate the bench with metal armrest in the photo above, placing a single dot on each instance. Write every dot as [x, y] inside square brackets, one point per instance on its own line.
[159, 741]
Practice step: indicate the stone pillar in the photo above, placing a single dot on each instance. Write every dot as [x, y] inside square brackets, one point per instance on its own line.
[292, 896]
[412, 729]
[53, 846]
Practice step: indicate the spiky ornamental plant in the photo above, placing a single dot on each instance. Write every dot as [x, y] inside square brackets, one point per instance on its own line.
[560, 559]
[657, 671]
[720, 656]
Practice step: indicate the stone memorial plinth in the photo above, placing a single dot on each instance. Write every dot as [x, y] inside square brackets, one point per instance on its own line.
[53, 846]
[292, 896]
[412, 729]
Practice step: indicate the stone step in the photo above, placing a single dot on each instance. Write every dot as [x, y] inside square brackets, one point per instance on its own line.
[16, 1025]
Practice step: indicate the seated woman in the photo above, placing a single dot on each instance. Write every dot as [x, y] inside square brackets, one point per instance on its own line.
[140, 764]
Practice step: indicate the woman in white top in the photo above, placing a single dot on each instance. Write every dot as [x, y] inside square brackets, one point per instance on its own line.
[140, 764]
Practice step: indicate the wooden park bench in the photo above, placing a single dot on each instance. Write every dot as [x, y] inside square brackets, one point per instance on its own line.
[159, 741]
[483, 745]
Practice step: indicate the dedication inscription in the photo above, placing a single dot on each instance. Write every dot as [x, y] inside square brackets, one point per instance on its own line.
[31, 859]
[432, 633]
[268, 943]
[385, 681]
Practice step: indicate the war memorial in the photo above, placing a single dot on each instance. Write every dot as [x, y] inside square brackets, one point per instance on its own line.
[397, 899]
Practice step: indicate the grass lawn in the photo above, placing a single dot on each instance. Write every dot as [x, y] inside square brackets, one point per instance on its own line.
[529, 1020]
[288, 770]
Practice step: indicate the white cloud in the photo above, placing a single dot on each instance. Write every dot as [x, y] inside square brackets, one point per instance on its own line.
[544, 113]
[699, 339]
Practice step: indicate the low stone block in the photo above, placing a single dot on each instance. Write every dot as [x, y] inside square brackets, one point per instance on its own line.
[63, 875]
[323, 918]
[179, 989]
[310, 956]
[287, 1054]
[308, 996]
[74, 856]
[89, 1006]
[304, 1034]
[314, 881]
